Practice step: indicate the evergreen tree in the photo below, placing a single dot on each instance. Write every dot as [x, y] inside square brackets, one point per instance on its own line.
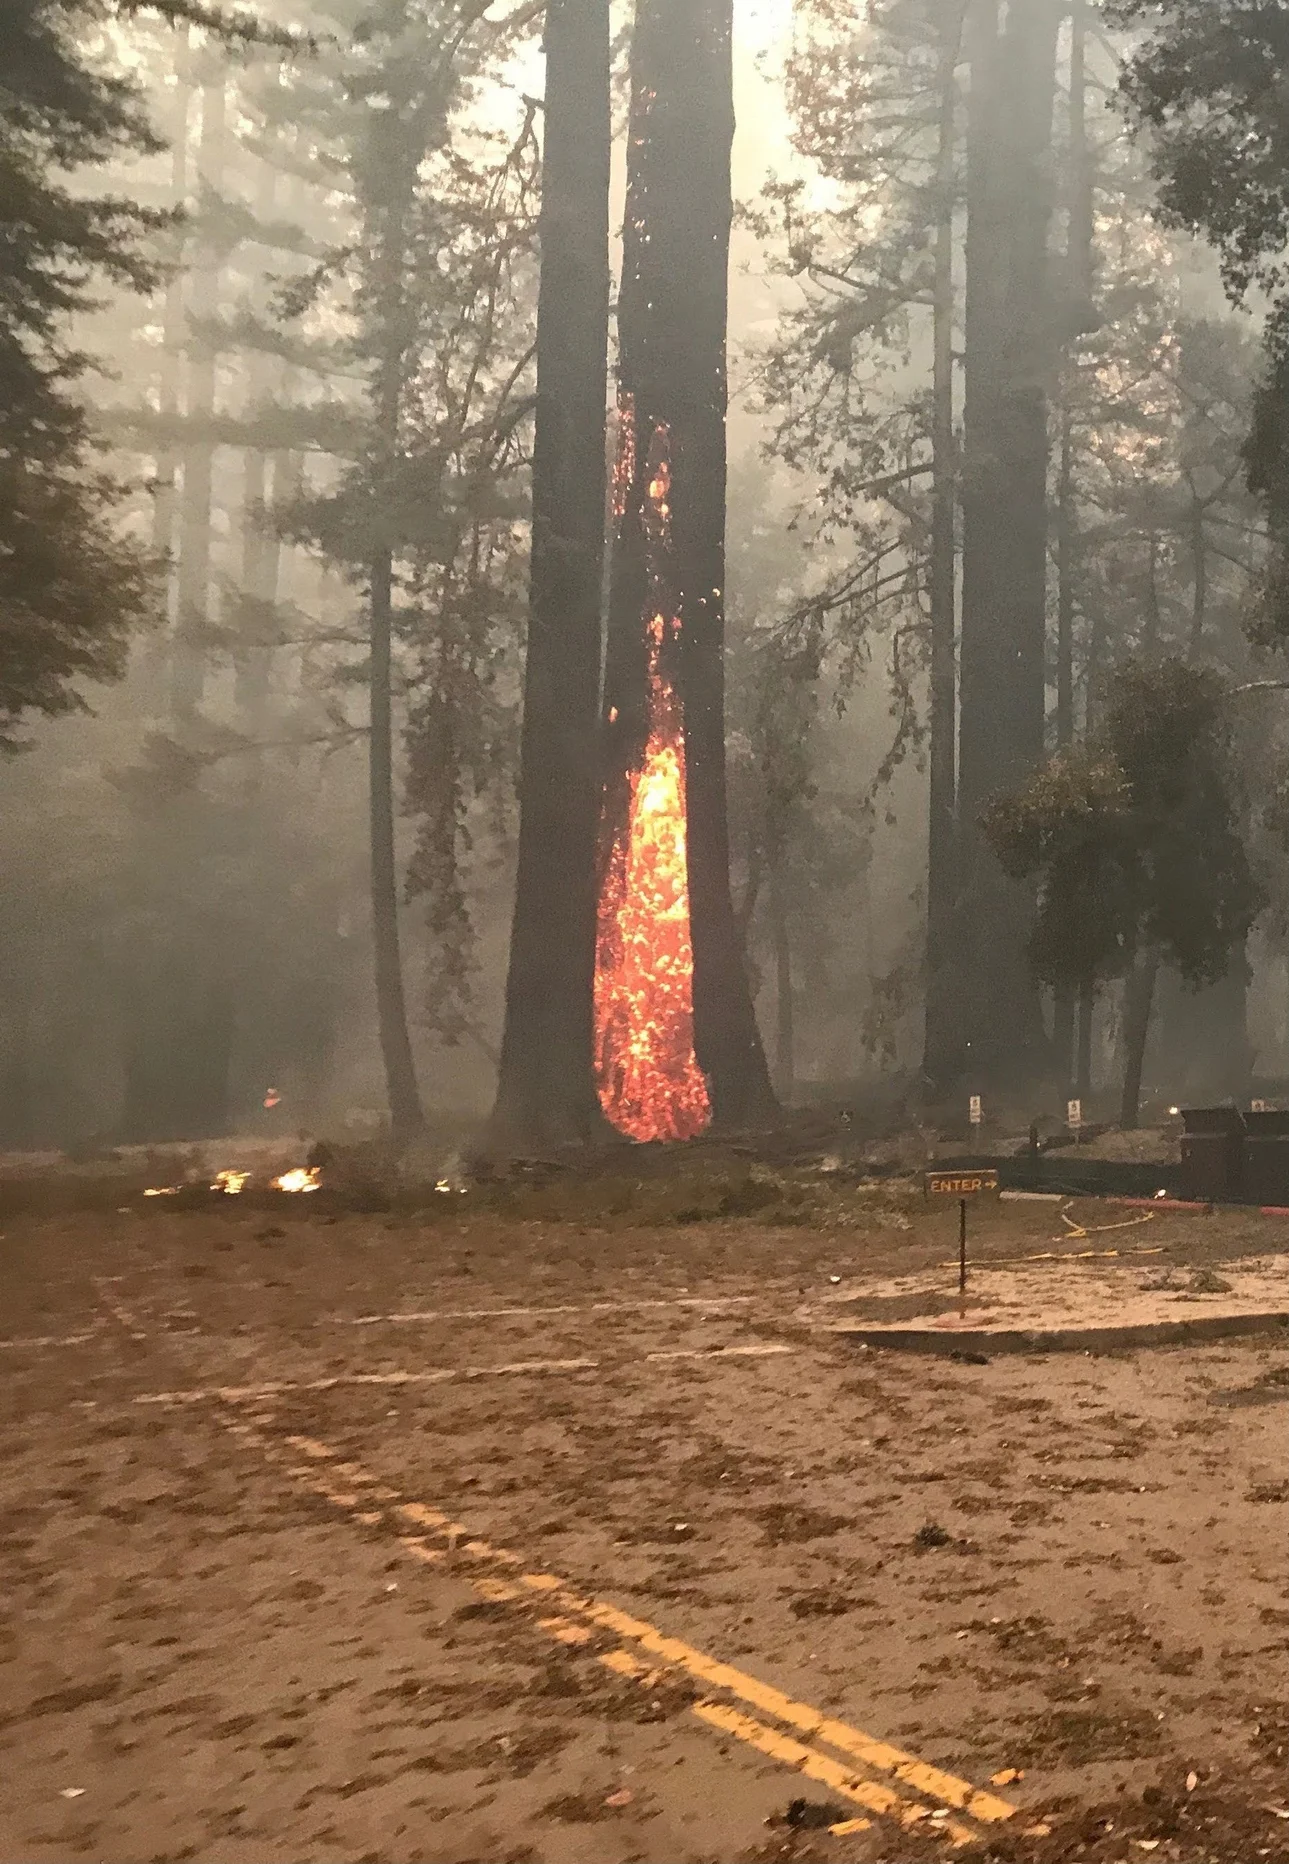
[672, 321]
[546, 1087]
[431, 287]
[1137, 840]
[72, 588]
[1207, 79]
[875, 94]
[1008, 344]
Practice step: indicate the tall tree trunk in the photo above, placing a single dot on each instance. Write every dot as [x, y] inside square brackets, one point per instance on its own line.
[1138, 1002]
[1081, 230]
[1094, 664]
[388, 229]
[785, 1066]
[1064, 1040]
[187, 671]
[1152, 629]
[941, 992]
[1080, 282]
[1066, 602]
[1199, 572]
[405, 1112]
[260, 554]
[672, 316]
[166, 467]
[1004, 513]
[546, 1085]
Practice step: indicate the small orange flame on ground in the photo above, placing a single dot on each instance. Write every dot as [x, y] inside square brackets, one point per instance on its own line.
[300, 1178]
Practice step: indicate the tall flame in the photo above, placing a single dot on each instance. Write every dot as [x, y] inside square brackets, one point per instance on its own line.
[649, 1082]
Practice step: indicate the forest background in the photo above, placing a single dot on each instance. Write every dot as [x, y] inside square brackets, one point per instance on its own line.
[186, 919]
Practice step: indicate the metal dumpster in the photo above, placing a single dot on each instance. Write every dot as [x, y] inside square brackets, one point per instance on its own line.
[1212, 1155]
[1266, 1158]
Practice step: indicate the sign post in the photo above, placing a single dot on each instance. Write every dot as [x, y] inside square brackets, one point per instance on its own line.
[962, 1253]
[963, 1185]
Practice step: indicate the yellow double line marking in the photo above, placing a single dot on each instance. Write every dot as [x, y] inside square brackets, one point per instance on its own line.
[573, 1621]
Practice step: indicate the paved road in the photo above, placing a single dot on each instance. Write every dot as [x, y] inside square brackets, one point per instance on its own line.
[360, 1540]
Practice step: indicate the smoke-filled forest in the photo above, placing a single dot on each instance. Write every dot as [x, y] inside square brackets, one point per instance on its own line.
[469, 650]
[645, 647]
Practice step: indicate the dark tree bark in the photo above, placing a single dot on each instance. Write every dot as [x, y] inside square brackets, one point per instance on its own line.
[1071, 1017]
[546, 1086]
[188, 657]
[1152, 628]
[672, 318]
[1004, 515]
[1066, 600]
[387, 229]
[785, 1061]
[1064, 1038]
[941, 992]
[406, 1116]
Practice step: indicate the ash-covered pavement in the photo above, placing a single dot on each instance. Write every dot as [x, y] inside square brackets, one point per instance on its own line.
[376, 1538]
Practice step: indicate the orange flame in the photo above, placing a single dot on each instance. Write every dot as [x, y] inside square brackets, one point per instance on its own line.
[649, 1081]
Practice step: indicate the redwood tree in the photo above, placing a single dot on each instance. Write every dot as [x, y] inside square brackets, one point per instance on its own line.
[546, 1090]
[672, 316]
[1004, 505]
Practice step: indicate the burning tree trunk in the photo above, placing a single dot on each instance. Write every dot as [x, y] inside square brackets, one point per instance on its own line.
[546, 1088]
[677, 1040]
[1004, 511]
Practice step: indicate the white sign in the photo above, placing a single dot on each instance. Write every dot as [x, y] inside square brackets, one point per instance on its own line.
[1074, 1115]
[1259, 1106]
[976, 1112]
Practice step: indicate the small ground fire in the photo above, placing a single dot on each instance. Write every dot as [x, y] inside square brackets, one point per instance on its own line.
[650, 1084]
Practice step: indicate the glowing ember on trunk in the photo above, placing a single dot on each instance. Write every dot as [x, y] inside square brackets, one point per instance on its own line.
[649, 1082]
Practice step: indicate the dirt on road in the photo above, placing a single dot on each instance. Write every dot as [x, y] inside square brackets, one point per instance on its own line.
[475, 1537]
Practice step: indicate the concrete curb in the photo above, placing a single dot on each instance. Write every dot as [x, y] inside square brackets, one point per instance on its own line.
[945, 1341]
[1167, 1204]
